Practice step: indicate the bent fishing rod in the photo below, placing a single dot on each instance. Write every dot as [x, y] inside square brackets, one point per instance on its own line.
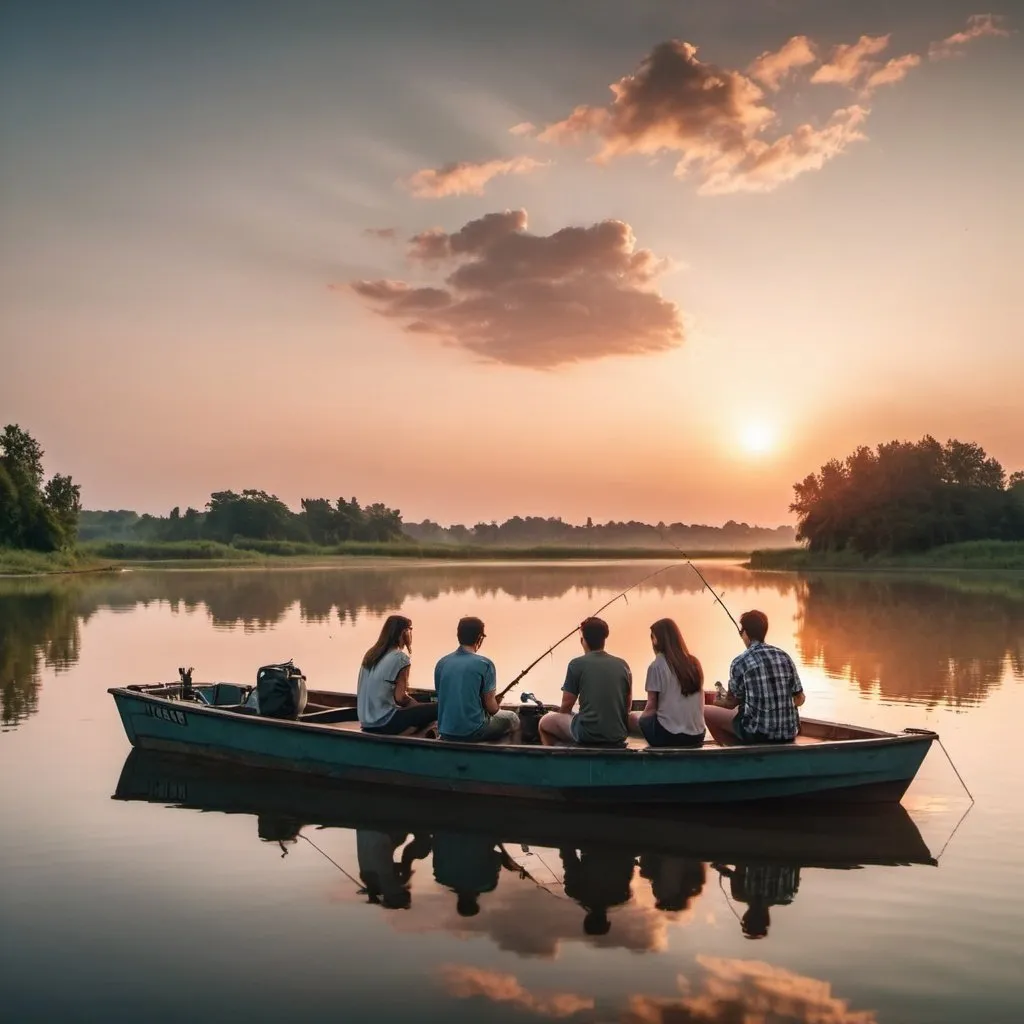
[576, 629]
[669, 540]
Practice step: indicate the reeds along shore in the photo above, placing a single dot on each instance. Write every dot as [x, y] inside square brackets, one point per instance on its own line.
[974, 554]
[111, 554]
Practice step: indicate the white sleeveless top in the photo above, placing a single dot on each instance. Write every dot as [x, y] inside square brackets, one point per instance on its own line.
[676, 712]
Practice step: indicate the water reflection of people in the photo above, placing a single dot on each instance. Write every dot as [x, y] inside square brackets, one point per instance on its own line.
[675, 881]
[469, 865]
[597, 879]
[387, 882]
[280, 829]
[760, 886]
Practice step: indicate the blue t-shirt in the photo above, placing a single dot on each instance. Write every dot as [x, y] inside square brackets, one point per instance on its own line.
[461, 679]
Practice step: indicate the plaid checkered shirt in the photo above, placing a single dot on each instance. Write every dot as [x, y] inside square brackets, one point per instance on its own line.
[764, 680]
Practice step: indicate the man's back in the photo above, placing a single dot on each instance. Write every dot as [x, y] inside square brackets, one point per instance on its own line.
[460, 679]
[603, 684]
[765, 680]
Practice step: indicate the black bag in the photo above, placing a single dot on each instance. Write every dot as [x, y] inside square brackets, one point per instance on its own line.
[281, 691]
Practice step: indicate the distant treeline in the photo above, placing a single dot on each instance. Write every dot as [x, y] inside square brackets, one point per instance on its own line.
[252, 515]
[256, 515]
[534, 531]
[904, 497]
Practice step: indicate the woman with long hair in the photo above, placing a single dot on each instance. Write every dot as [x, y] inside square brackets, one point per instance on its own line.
[674, 715]
[383, 700]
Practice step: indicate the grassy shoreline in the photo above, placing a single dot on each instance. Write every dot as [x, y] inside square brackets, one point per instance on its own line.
[970, 555]
[112, 555]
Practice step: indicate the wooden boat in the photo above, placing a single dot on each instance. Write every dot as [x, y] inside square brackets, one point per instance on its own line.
[809, 836]
[829, 760]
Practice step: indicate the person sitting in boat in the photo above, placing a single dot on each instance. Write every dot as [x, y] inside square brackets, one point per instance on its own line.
[603, 685]
[598, 879]
[760, 705]
[760, 886]
[465, 681]
[383, 701]
[469, 865]
[674, 715]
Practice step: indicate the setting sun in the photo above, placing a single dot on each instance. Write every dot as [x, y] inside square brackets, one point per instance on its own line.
[757, 438]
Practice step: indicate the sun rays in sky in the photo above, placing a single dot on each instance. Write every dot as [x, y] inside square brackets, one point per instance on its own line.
[619, 260]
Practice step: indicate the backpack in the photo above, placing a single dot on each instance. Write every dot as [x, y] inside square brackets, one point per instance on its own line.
[281, 691]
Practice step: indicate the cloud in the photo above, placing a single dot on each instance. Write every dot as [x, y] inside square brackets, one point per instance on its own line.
[672, 102]
[892, 71]
[713, 118]
[978, 26]
[773, 66]
[465, 177]
[463, 982]
[385, 234]
[850, 62]
[747, 990]
[765, 166]
[530, 300]
[523, 128]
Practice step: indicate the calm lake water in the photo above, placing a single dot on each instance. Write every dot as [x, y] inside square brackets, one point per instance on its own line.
[193, 896]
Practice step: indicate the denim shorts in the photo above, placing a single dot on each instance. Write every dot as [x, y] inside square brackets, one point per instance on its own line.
[658, 736]
[494, 728]
[745, 736]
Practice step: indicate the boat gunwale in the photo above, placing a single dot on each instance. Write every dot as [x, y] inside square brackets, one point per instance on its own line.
[877, 737]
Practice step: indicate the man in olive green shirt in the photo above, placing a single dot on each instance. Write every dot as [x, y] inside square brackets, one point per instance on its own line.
[604, 686]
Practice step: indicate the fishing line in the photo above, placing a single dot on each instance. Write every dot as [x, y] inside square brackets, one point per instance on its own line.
[938, 739]
[358, 885]
[668, 540]
[728, 900]
[576, 629]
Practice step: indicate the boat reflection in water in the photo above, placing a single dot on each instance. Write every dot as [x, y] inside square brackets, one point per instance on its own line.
[582, 856]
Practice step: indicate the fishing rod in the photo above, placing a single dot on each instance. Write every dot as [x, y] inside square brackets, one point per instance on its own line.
[669, 540]
[576, 629]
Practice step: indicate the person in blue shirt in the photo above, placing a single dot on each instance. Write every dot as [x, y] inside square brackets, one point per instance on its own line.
[465, 681]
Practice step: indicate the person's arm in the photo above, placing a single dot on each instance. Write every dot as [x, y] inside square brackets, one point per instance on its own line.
[570, 688]
[488, 688]
[734, 694]
[653, 688]
[402, 697]
[797, 687]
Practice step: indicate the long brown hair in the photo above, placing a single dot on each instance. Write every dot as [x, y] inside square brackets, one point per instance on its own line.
[686, 668]
[390, 638]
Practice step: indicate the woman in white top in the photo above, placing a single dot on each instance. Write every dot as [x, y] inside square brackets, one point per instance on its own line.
[674, 716]
[382, 693]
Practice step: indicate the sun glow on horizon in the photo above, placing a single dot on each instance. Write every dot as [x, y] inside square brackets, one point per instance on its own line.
[758, 438]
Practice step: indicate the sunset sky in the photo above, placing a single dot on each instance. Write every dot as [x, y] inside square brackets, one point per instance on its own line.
[644, 259]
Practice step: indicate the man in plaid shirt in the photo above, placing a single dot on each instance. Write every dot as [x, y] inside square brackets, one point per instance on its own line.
[764, 692]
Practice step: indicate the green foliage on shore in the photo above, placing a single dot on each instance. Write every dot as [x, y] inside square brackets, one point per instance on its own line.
[977, 554]
[904, 497]
[34, 515]
[245, 551]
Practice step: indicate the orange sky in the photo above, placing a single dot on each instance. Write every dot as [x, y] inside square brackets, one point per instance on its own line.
[430, 257]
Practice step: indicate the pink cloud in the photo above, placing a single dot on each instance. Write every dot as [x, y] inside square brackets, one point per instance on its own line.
[767, 165]
[978, 27]
[850, 62]
[523, 128]
[893, 71]
[772, 67]
[465, 177]
[715, 119]
[529, 300]
[464, 982]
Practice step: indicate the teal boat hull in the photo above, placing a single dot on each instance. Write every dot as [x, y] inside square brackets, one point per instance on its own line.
[878, 767]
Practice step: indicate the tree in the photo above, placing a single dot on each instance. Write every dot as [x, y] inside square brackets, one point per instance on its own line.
[905, 496]
[31, 515]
